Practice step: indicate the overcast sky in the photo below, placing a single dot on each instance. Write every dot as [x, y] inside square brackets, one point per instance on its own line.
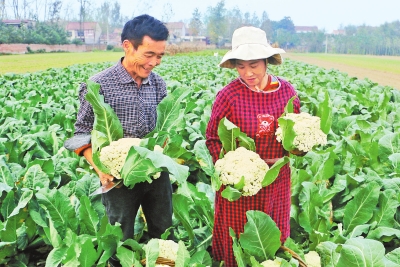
[325, 14]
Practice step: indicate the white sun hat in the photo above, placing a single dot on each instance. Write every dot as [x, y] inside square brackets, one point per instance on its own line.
[249, 43]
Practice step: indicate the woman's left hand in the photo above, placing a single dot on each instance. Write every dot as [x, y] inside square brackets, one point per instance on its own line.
[297, 152]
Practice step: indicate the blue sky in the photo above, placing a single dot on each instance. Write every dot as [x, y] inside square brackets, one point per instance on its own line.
[325, 14]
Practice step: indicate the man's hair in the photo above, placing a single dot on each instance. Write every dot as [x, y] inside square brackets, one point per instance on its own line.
[136, 28]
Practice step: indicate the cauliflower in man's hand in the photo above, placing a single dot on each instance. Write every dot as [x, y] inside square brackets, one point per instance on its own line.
[307, 129]
[114, 155]
[242, 163]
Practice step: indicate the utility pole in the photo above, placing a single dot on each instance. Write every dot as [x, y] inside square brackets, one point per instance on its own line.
[326, 44]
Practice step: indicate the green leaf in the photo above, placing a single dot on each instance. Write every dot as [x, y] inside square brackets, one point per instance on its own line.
[231, 193]
[230, 134]
[273, 172]
[289, 105]
[7, 249]
[161, 161]
[206, 163]
[170, 115]
[88, 218]
[152, 251]
[261, 236]
[181, 205]
[88, 255]
[137, 169]
[394, 256]
[288, 133]
[201, 257]
[358, 210]
[106, 121]
[239, 186]
[237, 250]
[183, 256]
[22, 202]
[384, 234]
[325, 113]
[59, 210]
[361, 252]
[36, 179]
[387, 206]
[56, 256]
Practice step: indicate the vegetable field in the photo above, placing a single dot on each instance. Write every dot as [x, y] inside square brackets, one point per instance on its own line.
[345, 195]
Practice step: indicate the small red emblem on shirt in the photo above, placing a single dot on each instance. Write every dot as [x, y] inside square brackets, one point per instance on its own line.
[265, 125]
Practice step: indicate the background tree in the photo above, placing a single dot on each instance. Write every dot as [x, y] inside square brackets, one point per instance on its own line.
[195, 24]
[168, 12]
[266, 25]
[216, 23]
[55, 11]
[234, 20]
[116, 17]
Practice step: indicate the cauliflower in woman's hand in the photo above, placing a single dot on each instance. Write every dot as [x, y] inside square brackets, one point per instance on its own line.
[307, 129]
[242, 163]
[114, 155]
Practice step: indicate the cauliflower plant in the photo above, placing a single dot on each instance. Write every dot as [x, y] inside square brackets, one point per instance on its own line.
[113, 156]
[307, 129]
[242, 163]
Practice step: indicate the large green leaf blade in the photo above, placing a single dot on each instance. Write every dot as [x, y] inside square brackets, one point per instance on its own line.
[273, 172]
[261, 236]
[106, 121]
[358, 210]
[88, 218]
[359, 252]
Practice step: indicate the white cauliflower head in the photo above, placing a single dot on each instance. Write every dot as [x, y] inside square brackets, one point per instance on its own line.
[308, 131]
[242, 163]
[312, 259]
[168, 249]
[114, 155]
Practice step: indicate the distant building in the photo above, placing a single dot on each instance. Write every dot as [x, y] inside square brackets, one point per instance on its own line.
[177, 30]
[113, 38]
[305, 29]
[19, 22]
[339, 32]
[88, 32]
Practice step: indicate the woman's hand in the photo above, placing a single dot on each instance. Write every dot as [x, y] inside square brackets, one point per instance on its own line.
[297, 152]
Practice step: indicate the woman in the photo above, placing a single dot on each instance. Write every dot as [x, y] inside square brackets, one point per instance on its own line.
[254, 101]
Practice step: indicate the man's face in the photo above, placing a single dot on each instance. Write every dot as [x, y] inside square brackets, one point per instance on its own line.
[140, 62]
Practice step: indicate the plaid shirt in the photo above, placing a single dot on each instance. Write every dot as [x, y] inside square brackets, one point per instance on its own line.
[255, 114]
[135, 107]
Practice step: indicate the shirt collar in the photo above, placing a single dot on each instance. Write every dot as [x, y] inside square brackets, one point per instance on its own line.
[125, 77]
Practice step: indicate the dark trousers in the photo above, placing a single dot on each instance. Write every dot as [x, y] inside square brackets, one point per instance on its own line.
[122, 205]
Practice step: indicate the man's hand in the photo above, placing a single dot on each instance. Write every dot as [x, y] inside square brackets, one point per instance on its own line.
[105, 178]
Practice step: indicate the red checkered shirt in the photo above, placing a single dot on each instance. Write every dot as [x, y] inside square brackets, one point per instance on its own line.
[256, 114]
[135, 107]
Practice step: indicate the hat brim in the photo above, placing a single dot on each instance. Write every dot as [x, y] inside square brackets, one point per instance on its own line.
[251, 52]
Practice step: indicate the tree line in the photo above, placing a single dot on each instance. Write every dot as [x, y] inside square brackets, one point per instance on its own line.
[218, 24]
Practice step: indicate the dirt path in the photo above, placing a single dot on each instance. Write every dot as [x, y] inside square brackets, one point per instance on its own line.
[380, 77]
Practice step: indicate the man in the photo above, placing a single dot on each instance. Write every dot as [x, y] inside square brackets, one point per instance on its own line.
[133, 91]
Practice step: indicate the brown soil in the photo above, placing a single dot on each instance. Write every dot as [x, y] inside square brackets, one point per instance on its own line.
[379, 77]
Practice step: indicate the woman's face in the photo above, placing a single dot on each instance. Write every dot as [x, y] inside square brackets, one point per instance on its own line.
[252, 72]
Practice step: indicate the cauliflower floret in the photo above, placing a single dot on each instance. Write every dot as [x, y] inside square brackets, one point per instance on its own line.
[242, 163]
[168, 249]
[312, 258]
[114, 155]
[271, 263]
[308, 131]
